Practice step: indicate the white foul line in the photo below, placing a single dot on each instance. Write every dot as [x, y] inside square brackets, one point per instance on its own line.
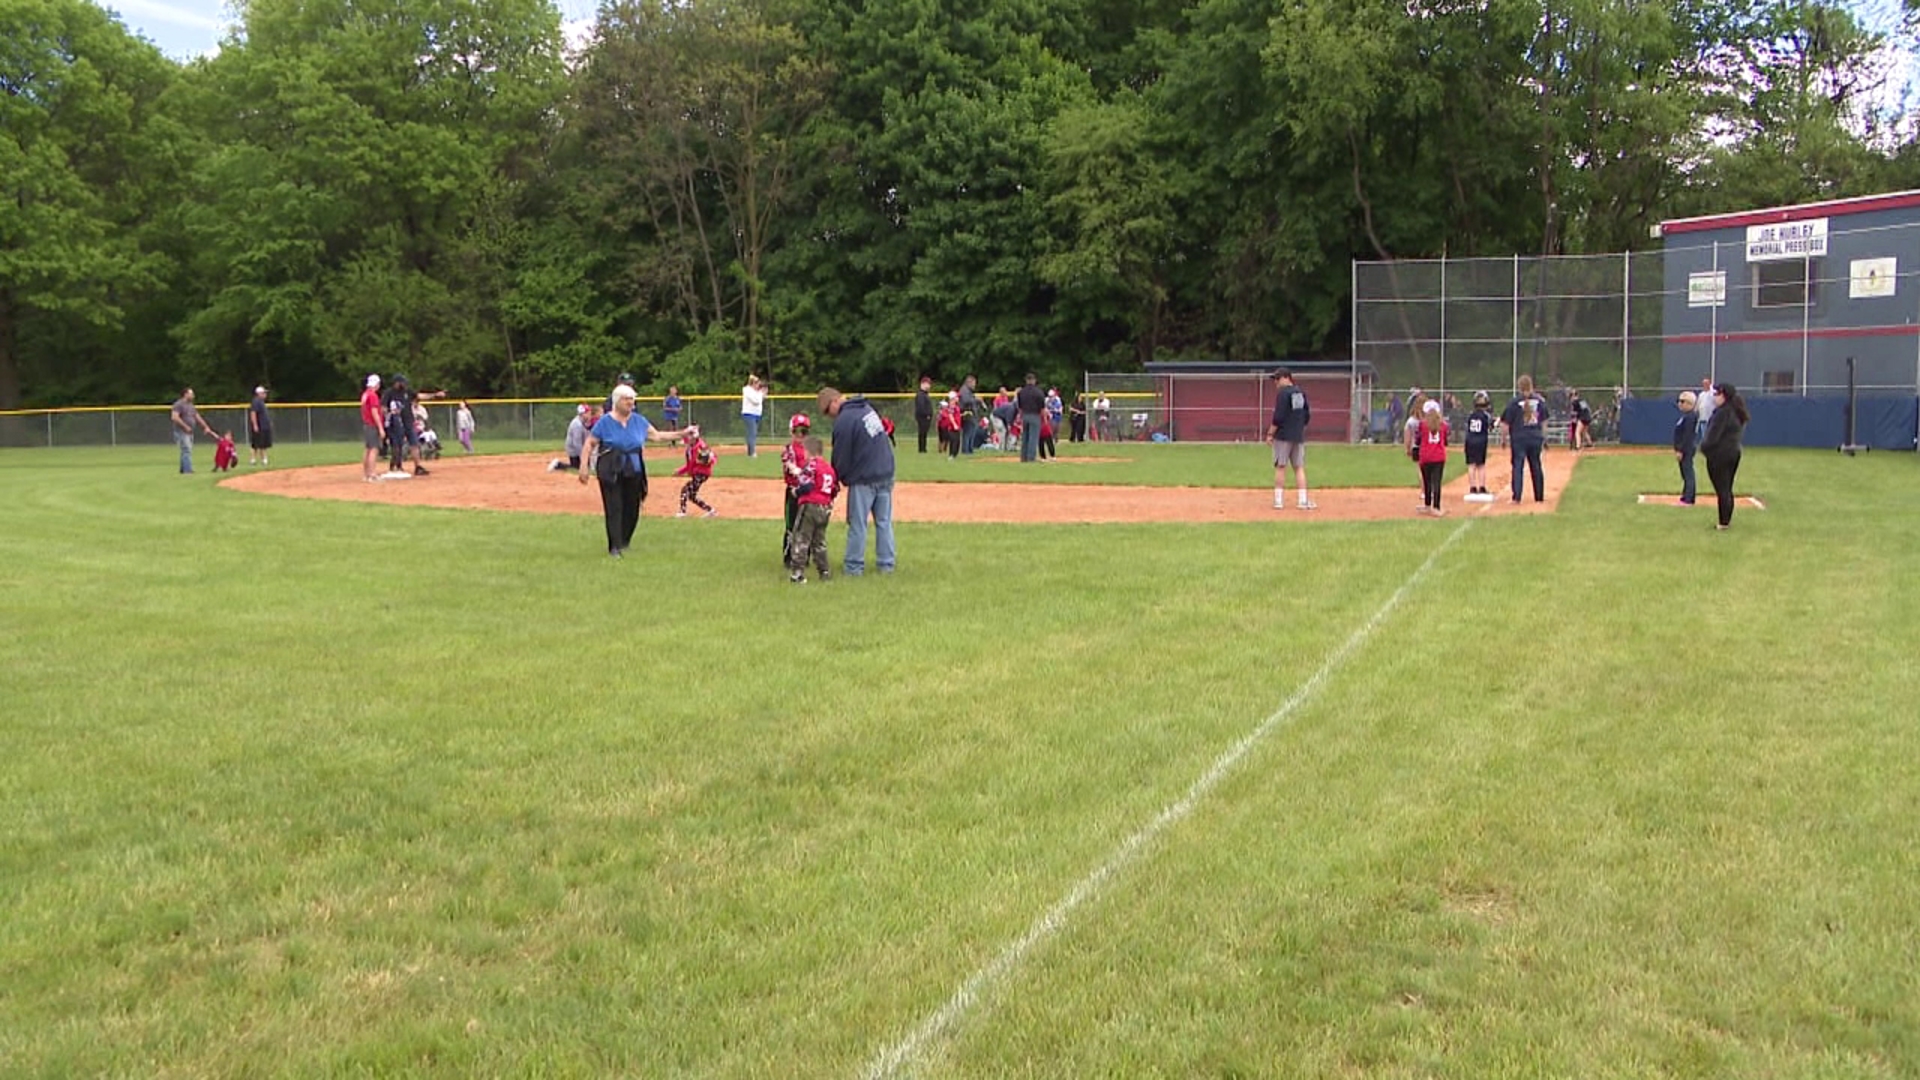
[908, 1052]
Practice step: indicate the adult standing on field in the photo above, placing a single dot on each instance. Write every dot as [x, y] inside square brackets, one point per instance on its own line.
[969, 415]
[1102, 418]
[185, 419]
[619, 437]
[259, 428]
[1721, 446]
[1288, 433]
[753, 403]
[373, 428]
[863, 460]
[1032, 403]
[1525, 419]
[1077, 424]
[1703, 405]
[923, 410]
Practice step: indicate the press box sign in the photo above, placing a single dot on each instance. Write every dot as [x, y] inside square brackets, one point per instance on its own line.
[1787, 240]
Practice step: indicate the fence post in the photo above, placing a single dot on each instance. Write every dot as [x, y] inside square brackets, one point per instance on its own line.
[1806, 316]
[1713, 321]
[49, 429]
[113, 428]
[1626, 315]
[1354, 427]
[1443, 326]
[309, 425]
[1514, 378]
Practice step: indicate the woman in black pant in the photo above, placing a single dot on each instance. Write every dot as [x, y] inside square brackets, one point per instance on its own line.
[1721, 446]
[614, 446]
[1525, 419]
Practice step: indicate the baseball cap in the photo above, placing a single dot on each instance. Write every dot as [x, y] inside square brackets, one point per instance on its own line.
[259, 389]
[1431, 406]
[373, 382]
[625, 379]
[799, 421]
[581, 409]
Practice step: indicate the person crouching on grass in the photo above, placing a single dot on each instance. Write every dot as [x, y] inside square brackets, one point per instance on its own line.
[698, 468]
[614, 448]
[814, 489]
[1433, 458]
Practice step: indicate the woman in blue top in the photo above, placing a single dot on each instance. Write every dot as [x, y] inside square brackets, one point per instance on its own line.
[1526, 422]
[618, 439]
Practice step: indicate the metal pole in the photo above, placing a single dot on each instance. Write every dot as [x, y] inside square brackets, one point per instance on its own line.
[1626, 316]
[49, 429]
[1713, 319]
[113, 428]
[1806, 317]
[1513, 379]
[1353, 353]
[1443, 326]
[309, 425]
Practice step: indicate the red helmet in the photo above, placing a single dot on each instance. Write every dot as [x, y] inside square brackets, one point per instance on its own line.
[799, 423]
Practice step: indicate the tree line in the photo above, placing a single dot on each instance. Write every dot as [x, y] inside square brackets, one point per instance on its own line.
[854, 191]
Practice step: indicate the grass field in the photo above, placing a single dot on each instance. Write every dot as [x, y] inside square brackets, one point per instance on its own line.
[315, 789]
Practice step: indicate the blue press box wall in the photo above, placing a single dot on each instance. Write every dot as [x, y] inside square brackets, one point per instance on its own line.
[1885, 422]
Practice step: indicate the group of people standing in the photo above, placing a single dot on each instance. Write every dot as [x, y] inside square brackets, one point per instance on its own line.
[1028, 419]
[187, 423]
[1712, 423]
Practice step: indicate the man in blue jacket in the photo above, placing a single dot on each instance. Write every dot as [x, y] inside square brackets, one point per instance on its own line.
[863, 460]
[1288, 433]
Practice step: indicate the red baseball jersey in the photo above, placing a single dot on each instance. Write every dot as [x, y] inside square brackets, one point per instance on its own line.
[1433, 443]
[817, 483]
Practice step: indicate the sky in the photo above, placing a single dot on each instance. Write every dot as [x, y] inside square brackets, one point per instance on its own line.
[184, 29]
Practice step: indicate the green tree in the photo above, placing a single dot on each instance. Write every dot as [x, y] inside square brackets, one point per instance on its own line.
[79, 161]
[360, 160]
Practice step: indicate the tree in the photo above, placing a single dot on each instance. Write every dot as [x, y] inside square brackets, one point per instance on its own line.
[77, 165]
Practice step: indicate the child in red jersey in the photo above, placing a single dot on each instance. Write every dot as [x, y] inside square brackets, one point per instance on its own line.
[1432, 438]
[949, 424]
[791, 458]
[698, 468]
[224, 455]
[814, 488]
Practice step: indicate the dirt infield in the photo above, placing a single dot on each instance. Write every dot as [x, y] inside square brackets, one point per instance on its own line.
[520, 482]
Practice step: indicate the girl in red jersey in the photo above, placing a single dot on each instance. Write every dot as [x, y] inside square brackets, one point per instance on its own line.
[1433, 457]
[698, 468]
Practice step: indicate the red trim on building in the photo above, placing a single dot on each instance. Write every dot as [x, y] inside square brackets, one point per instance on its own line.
[1789, 335]
[1897, 200]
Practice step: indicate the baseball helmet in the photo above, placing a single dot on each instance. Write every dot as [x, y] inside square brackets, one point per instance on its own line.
[1481, 397]
[799, 423]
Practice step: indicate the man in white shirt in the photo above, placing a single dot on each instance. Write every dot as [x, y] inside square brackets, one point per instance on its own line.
[1703, 405]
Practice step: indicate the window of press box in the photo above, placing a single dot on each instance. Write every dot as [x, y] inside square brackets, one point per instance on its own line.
[1788, 283]
[1777, 382]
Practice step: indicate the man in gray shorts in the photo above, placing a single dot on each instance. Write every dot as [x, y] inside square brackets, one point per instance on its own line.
[1288, 431]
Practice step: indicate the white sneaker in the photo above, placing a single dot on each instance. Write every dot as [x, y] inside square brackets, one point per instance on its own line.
[711, 513]
[682, 513]
[1309, 504]
[1279, 504]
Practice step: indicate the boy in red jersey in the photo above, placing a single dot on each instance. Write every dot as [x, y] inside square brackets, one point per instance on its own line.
[814, 489]
[225, 457]
[698, 468]
[791, 458]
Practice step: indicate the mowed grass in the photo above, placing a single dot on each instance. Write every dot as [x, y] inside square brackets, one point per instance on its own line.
[313, 789]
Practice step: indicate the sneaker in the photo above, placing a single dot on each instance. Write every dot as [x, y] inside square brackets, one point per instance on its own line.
[711, 513]
[615, 553]
[553, 466]
[823, 575]
[419, 471]
[1309, 504]
[797, 579]
[682, 513]
[1279, 504]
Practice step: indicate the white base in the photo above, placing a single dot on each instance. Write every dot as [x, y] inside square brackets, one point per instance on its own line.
[1479, 497]
[396, 476]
